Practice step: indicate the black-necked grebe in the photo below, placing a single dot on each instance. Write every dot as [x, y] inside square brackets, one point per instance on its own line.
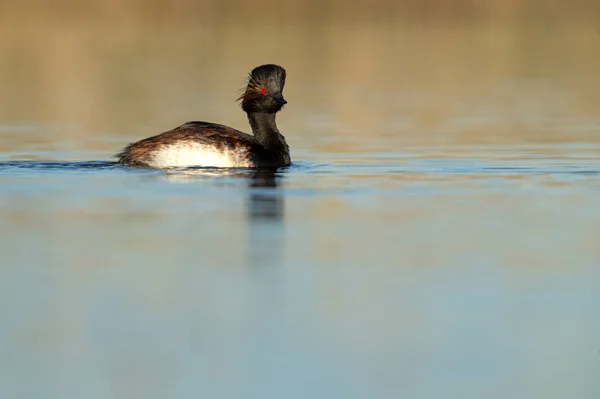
[210, 144]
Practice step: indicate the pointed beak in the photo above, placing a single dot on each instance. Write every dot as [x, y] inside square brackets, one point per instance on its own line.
[280, 100]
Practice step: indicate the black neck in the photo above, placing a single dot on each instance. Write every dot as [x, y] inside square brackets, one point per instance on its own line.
[265, 130]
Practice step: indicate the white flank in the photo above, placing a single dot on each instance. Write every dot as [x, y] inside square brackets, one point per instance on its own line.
[194, 154]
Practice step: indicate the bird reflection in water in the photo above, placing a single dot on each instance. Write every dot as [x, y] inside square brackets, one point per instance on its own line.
[264, 209]
[264, 201]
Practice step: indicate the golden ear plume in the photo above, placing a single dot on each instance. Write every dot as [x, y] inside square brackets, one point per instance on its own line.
[253, 90]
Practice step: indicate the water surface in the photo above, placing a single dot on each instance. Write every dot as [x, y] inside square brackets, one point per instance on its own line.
[346, 274]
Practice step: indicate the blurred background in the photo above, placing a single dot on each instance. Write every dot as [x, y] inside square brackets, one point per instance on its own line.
[437, 235]
[419, 71]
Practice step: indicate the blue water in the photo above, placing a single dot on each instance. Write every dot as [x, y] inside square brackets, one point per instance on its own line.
[456, 271]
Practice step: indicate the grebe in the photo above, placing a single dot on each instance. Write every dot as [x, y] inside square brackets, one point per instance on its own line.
[212, 145]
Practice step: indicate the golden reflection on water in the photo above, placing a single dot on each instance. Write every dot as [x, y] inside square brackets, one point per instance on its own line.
[502, 77]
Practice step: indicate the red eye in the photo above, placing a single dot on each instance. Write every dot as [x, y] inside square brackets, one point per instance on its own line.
[264, 91]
